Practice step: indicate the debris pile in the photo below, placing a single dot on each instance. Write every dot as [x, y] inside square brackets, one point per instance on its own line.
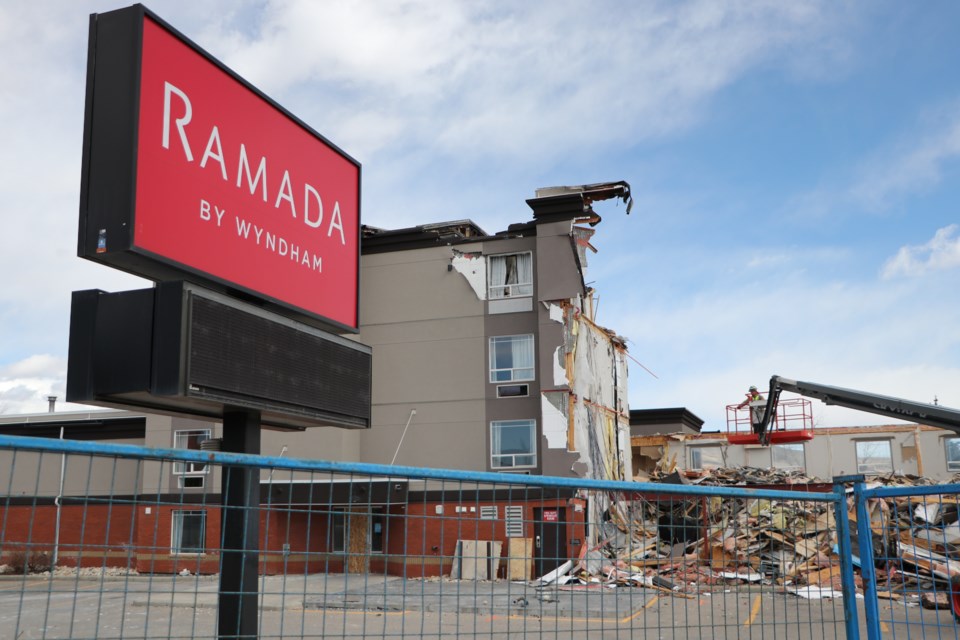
[916, 542]
[735, 476]
[687, 545]
[684, 546]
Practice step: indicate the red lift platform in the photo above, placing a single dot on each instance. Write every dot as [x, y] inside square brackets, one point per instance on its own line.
[793, 422]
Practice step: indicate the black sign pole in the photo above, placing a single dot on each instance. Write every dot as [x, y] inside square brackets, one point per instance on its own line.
[239, 529]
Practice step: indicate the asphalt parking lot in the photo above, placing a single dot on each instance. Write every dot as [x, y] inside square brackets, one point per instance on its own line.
[339, 606]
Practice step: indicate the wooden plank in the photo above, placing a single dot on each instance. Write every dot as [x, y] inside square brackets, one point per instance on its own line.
[823, 575]
[519, 558]
[806, 548]
[359, 555]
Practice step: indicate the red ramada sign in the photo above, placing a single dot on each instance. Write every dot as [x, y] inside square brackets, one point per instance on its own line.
[229, 186]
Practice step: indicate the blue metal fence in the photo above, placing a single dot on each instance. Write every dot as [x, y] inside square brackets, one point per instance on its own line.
[908, 540]
[116, 541]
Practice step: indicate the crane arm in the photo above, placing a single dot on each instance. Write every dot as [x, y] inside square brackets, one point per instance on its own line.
[928, 414]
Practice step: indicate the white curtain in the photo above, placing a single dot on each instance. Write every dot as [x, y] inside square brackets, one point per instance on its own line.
[523, 356]
[498, 275]
[524, 268]
[495, 445]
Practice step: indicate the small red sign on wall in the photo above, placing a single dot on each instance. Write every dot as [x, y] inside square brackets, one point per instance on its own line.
[549, 516]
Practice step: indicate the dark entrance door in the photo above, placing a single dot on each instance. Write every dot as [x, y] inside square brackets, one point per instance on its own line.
[550, 538]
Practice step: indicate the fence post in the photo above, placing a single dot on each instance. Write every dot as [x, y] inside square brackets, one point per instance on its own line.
[240, 530]
[845, 551]
[867, 562]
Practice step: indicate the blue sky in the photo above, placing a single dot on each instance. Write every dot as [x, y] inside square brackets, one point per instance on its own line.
[795, 168]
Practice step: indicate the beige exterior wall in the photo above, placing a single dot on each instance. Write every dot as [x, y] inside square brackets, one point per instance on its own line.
[27, 473]
[322, 443]
[425, 324]
[914, 450]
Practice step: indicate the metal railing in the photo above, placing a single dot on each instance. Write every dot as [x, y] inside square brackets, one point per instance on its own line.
[357, 550]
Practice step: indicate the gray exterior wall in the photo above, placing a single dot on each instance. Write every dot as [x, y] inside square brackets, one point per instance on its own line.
[500, 323]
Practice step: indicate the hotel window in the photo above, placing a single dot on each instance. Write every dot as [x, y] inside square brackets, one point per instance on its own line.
[510, 275]
[788, 456]
[953, 454]
[513, 444]
[709, 457]
[511, 358]
[190, 475]
[188, 532]
[874, 456]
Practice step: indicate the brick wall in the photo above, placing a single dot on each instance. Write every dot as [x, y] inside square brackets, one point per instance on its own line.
[418, 541]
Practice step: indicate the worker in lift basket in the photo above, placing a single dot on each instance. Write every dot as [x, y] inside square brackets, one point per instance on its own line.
[753, 399]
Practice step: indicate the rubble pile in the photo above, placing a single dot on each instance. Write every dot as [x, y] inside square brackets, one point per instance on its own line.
[687, 545]
[916, 542]
[736, 476]
[683, 546]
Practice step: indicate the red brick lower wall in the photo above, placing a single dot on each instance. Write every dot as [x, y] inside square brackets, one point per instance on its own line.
[418, 541]
[90, 535]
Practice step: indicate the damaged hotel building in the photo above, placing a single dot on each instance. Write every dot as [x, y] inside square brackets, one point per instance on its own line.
[490, 339]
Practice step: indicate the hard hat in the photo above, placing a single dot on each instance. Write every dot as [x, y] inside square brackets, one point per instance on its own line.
[753, 388]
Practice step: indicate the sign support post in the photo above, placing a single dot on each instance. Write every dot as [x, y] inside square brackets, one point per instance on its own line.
[239, 529]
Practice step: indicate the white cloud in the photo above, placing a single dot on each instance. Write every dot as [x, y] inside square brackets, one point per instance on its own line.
[34, 366]
[940, 254]
[524, 79]
[25, 385]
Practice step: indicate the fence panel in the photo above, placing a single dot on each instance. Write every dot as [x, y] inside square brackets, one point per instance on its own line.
[112, 541]
[909, 549]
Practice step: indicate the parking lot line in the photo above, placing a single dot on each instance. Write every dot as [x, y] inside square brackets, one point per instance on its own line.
[754, 610]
